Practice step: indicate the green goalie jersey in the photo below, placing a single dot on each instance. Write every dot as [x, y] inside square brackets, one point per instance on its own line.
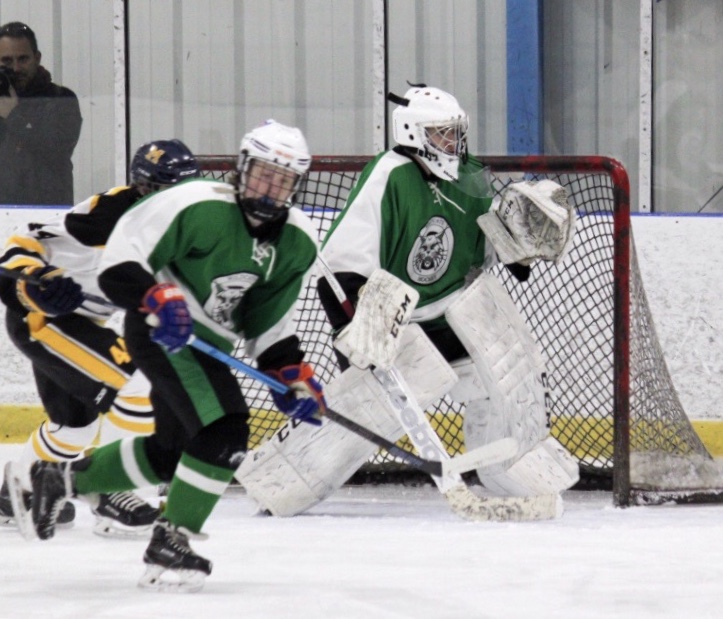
[417, 227]
[237, 284]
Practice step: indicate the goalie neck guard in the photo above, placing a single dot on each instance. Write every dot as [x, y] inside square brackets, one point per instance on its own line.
[272, 166]
[432, 125]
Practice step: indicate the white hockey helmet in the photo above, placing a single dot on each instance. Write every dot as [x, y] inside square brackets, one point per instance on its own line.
[278, 148]
[431, 122]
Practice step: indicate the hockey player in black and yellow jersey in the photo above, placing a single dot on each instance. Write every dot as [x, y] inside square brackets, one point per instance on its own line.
[223, 261]
[82, 368]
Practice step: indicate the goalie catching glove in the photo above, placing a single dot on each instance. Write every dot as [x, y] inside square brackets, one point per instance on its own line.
[305, 398]
[532, 220]
[54, 295]
[168, 313]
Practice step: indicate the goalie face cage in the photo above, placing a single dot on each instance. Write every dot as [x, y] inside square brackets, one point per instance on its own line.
[612, 403]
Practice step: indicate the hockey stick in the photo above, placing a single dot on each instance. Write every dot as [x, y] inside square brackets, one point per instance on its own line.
[461, 499]
[482, 456]
[19, 275]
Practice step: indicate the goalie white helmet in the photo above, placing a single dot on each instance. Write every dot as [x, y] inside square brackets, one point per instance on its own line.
[431, 122]
[272, 166]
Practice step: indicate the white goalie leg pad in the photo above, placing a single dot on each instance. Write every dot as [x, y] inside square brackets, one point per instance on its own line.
[545, 469]
[424, 369]
[503, 386]
[503, 383]
[302, 464]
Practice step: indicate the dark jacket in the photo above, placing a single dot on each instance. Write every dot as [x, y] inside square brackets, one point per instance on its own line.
[37, 141]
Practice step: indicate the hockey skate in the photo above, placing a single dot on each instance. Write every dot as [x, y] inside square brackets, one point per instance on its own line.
[7, 516]
[171, 563]
[121, 515]
[51, 490]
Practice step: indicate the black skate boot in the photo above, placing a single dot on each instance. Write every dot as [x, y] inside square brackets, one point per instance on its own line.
[122, 514]
[7, 515]
[171, 563]
[52, 487]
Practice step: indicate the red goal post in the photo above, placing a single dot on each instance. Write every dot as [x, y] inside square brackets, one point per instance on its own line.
[612, 402]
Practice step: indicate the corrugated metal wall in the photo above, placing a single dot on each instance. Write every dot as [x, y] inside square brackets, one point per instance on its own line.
[207, 70]
[688, 112]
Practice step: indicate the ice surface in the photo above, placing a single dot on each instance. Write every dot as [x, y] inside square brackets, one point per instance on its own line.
[388, 553]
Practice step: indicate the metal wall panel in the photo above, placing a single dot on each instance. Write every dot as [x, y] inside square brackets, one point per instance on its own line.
[688, 106]
[459, 47]
[590, 77]
[208, 70]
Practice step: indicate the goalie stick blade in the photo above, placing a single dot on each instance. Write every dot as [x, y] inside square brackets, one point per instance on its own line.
[481, 457]
[23, 516]
[469, 506]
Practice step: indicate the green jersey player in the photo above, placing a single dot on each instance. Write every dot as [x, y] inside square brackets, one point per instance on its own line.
[415, 215]
[409, 214]
[412, 215]
[222, 261]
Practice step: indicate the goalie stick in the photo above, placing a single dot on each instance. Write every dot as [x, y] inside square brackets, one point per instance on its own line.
[461, 499]
[482, 456]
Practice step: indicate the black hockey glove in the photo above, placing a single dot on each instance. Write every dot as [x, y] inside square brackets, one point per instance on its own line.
[52, 295]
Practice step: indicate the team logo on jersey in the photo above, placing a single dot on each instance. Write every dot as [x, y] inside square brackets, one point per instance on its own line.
[429, 258]
[226, 294]
[262, 252]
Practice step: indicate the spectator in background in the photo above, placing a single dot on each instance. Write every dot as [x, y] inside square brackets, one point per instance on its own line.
[39, 125]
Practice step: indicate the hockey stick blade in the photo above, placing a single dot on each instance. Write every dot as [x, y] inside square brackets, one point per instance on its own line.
[482, 456]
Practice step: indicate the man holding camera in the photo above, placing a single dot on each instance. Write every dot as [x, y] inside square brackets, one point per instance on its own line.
[39, 125]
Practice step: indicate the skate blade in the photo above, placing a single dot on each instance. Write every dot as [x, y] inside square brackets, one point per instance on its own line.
[166, 580]
[23, 517]
[7, 522]
[107, 527]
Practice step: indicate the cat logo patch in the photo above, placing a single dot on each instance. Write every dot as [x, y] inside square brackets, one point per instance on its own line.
[226, 294]
[429, 259]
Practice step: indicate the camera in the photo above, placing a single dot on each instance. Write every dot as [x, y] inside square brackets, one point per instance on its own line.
[6, 80]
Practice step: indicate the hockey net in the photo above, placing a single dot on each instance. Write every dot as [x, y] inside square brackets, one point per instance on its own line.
[612, 401]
